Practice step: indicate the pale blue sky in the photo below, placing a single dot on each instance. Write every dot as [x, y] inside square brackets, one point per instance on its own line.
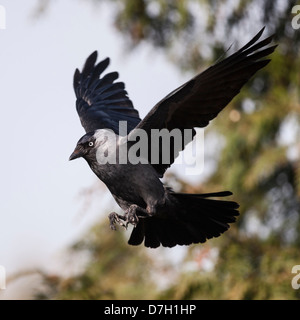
[39, 207]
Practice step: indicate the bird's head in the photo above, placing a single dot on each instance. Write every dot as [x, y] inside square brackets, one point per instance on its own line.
[85, 147]
[99, 145]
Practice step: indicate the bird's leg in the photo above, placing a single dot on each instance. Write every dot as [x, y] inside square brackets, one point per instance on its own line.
[116, 218]
[133, 213]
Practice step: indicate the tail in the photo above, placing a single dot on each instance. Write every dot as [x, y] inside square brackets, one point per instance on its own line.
[192, 219]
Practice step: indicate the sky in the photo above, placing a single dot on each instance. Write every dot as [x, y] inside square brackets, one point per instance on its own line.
[40, 211]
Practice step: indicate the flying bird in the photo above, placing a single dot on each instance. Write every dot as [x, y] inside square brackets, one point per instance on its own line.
[159, 215]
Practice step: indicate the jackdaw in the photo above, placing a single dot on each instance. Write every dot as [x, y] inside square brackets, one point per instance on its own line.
[159, 215]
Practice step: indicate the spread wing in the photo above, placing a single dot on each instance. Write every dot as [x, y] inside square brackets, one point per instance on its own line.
[101, 103]
[198, 101]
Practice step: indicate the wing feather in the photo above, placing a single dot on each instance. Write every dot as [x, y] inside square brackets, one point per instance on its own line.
[102, 102]
[198, 101]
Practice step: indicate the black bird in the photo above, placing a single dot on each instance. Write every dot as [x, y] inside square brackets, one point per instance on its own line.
[159, 215]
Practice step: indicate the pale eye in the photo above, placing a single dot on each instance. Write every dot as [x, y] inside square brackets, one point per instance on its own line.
[91, 144]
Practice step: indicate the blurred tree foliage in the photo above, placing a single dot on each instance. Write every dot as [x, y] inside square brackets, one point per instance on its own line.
[259, 161]
[114, 270]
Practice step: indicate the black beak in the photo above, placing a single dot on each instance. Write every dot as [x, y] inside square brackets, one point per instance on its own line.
[77, 153]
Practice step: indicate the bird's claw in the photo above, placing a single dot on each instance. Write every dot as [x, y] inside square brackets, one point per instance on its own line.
[116, 218]
[131, 216]
[133, 219]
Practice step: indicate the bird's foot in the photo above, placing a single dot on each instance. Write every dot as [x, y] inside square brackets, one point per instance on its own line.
[116, 218]
[131, 216]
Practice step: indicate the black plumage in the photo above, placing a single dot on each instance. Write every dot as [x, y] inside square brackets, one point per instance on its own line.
[159, 215]
[101, 102]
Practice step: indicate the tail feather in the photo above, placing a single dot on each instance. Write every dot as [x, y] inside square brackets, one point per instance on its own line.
[192, 219]
[151, 235]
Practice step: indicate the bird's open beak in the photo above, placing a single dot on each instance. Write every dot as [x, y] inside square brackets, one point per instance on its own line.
[77, 153]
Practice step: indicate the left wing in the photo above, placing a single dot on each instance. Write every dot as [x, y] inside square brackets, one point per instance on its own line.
[101, 103]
